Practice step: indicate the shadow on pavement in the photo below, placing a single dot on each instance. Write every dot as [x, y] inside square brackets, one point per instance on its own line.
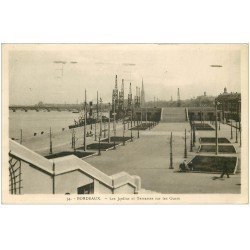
[217, 178]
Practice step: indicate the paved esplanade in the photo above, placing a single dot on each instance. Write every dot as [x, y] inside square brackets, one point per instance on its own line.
[148, 157]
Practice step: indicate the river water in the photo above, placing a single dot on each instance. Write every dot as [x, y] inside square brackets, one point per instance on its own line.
[36, 122]
[35, 128]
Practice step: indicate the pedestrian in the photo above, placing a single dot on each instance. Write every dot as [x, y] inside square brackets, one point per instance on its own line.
[181, 167]
[184, 166]
[225, 171]
[190, 165]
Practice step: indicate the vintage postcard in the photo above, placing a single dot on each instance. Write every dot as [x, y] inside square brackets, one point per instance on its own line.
[125, 123]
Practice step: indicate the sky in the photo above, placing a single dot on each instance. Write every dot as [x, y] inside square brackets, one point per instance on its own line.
[34, 76]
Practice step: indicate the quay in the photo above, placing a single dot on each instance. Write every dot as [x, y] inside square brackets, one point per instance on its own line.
[148, 156]
[147, 148]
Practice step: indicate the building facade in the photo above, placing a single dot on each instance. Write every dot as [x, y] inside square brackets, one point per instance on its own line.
[229, 106]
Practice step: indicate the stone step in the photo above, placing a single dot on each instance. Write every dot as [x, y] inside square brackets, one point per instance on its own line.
[173, 115]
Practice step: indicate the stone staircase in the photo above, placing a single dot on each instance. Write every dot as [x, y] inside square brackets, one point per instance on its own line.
[173, 114]
[38, 173]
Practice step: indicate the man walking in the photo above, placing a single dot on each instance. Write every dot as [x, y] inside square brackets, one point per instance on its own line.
[225, 171]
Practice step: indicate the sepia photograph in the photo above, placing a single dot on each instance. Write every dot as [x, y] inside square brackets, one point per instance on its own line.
[125, 123]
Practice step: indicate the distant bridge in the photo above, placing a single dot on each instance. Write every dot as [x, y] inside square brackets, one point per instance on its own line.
[54, 107]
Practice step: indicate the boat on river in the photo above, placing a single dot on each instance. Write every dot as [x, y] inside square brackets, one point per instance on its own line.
[90, 120]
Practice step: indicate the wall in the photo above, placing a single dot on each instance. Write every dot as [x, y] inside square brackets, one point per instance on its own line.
[69, 182]
[100, 188]
[35, 181]
[125, 189]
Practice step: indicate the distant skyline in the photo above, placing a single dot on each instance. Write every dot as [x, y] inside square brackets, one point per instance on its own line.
[36, 74]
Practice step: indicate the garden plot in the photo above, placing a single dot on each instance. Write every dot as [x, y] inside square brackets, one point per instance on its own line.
[225, 149]
[79, 154]
[214, 164]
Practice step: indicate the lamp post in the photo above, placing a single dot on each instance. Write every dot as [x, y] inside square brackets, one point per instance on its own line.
[97, 115]
[114, 122]
[240, 132]
[21, 136]
[216, 129]
[123, 134]
[138, 131]
[109, 126]
[53, 178]
[132, 117]
[141, 115]
[85, 122]
[104, 130]
[171, 152]
[236, 133]
[191, 139]
[133, 114]
[194, 136]
[185, 144]
[231, 130]
[73, 138]
[99, 145]
[239, 118]
[95, 131]
[50, 141]
[101, 117]
[97, 106]
[131, 133]
[114, 125]
[201, 113]
[128, 123]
